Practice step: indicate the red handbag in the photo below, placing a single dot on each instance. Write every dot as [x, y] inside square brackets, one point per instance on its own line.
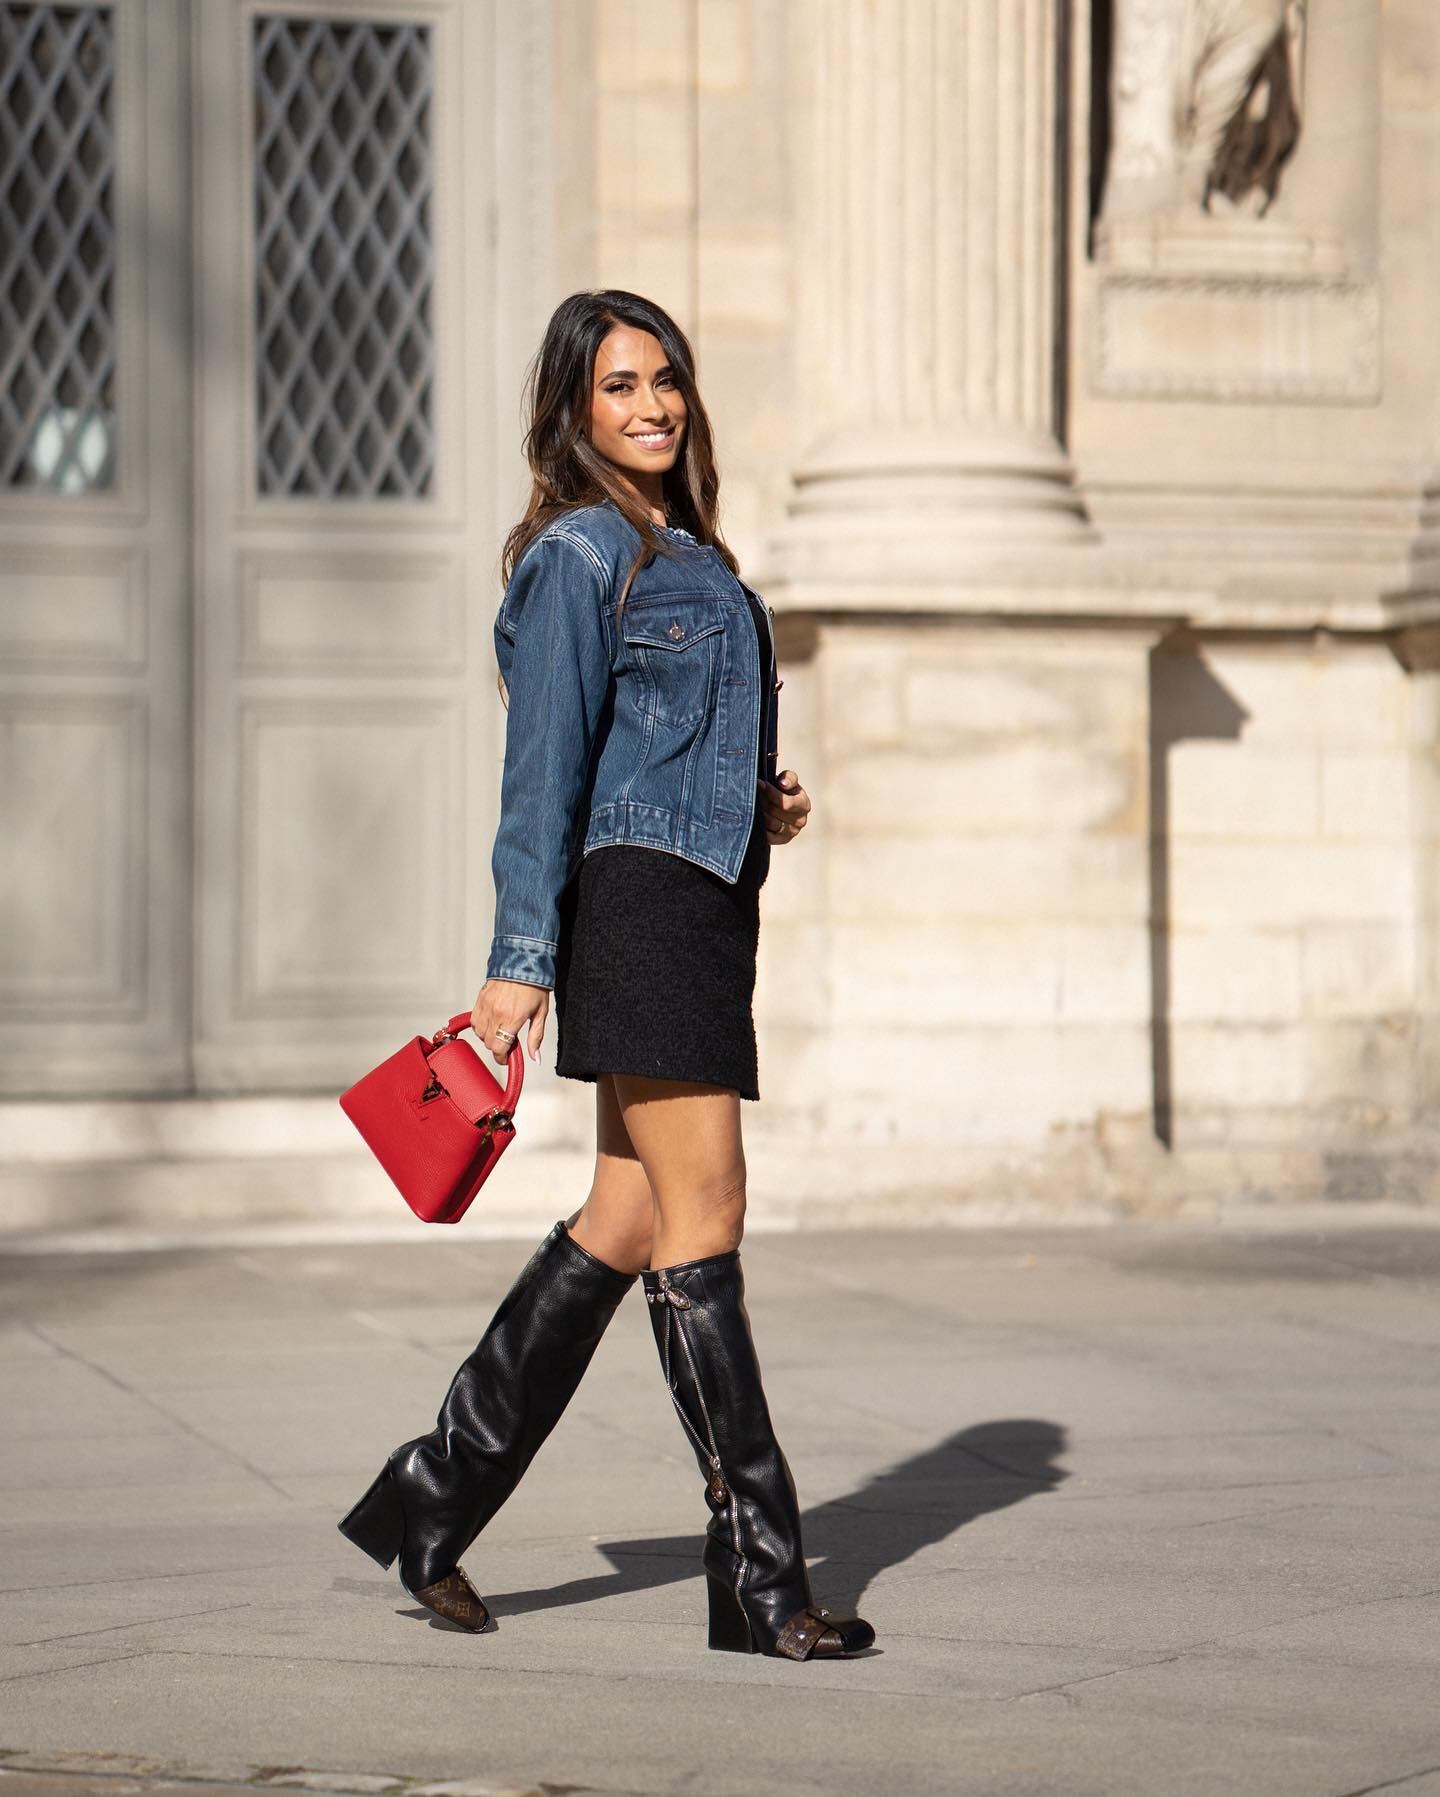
[436, 1119]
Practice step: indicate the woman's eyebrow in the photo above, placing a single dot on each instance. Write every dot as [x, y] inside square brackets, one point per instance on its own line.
[630, 375]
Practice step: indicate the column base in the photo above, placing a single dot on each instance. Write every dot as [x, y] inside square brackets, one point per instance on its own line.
[867, 503]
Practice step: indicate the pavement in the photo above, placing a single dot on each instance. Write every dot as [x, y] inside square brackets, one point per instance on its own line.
[1136, 1508]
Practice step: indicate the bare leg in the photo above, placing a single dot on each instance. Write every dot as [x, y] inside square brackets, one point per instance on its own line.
[687, 1137]
[616, 1221]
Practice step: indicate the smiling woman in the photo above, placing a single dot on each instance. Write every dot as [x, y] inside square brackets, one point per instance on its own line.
[638, 807]
[637, 414]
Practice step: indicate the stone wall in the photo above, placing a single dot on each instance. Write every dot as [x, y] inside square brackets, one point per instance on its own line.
[1087, 922]
[1129, 884]
[1293, 908]
[1105, 559]
[954, 993]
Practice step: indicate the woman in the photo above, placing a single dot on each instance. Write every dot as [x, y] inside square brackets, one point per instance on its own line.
[638, 806]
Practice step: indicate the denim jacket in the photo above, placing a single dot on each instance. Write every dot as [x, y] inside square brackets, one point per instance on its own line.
[646, 731]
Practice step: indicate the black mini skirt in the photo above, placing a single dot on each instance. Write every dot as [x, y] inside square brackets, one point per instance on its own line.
[655, 969]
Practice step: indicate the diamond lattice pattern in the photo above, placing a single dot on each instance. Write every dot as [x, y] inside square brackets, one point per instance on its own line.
[343, 185]
[57, 249]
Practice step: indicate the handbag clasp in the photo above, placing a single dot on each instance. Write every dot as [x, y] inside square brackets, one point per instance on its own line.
[493, 1120]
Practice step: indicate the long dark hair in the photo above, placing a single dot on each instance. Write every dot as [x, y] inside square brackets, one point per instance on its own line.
[567, 471]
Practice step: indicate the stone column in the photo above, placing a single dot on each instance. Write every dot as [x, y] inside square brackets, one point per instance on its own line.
[927, 246]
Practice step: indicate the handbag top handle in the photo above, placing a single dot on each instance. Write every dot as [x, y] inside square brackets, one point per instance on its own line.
[514, 1061]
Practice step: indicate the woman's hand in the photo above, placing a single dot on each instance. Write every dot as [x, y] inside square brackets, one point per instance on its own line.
[508, 1004]
[785, 808]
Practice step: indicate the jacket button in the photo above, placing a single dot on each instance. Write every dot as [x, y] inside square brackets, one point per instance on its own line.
[677, 630]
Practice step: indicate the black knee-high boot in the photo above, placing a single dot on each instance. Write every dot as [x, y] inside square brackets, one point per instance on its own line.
[435, 1494]
[760, 1598]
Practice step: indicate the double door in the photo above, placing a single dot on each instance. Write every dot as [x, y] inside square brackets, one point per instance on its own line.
[253, 362]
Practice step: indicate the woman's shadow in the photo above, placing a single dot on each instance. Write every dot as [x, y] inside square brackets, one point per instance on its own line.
[851, 1540]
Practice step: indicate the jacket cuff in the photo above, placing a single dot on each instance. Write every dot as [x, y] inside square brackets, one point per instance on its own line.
[529, 959]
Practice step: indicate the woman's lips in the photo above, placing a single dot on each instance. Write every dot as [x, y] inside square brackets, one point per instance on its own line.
[652, 441]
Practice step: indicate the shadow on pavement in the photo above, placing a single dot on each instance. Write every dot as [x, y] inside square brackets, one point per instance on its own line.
[851, 1540]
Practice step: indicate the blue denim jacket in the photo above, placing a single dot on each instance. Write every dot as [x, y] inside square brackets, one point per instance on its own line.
[642, 732]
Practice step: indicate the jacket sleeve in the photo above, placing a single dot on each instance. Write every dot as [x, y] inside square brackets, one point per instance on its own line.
[551, 643]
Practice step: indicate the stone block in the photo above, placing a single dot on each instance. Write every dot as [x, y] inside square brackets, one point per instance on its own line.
[743, 523]
[1211, 337]
[862, 692]
[722, 63]
[1352, 695]
[994, 684]
[792, 966]
[954, 698]
[904, 877]
[1366, 795]
[645, 164]
[794, 1075]
[983, 973]
[999, 792]
[1104, 972]
[1274, 688]
[1424, 785]
[1011, 1084]
[744, 280]
[1274, 884]
[641, 45]
[1235, 976]
[1363, 699]
[1427, 1068]
[1368, 1065]
[1231, 789]
[1237, 1065]
[746, 371]
[653, 261]
[1001, 877]
[1356, 969]
[801, 750]
[1423, 696]
[747, 205]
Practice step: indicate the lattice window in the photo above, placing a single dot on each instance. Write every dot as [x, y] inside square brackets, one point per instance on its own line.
[343, 184]
[57, 249]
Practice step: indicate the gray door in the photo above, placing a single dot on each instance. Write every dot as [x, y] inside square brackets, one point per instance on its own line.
[248, 539]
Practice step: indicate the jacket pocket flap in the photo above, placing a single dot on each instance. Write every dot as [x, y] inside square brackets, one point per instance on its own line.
[671, 626]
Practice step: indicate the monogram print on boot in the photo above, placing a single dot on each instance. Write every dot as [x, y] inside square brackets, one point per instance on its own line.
[457, 1600]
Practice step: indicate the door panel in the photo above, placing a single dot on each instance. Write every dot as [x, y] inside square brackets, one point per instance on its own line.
[94, 470]
[339, 794]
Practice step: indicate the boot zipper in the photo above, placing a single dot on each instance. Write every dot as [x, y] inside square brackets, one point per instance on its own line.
[720, 1489]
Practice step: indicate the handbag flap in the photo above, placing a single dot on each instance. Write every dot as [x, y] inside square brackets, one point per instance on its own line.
[471, 1086]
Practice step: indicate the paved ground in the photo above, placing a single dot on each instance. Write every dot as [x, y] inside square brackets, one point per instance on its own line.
[1141, 1509]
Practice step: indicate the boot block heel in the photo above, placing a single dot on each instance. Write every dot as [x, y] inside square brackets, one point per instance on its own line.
[729, 1631]
[377, 1523]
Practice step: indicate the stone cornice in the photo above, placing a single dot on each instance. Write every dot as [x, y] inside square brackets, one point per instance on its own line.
[1036, 592]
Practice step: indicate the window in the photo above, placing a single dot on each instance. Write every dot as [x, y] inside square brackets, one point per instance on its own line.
[343, 186]
[57, 249]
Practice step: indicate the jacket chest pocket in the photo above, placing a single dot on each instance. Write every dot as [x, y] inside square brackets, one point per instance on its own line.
[676, 648]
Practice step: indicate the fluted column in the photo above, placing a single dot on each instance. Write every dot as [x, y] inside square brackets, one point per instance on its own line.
[926, 257]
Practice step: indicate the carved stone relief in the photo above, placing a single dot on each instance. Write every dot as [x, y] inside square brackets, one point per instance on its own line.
[1237, 340]
[1205, 105]
[1200, 295]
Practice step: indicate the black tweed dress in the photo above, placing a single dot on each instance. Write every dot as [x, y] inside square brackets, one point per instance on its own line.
[655, 968]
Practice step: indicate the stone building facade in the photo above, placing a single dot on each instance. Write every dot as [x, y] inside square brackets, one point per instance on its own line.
[1097, 506]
